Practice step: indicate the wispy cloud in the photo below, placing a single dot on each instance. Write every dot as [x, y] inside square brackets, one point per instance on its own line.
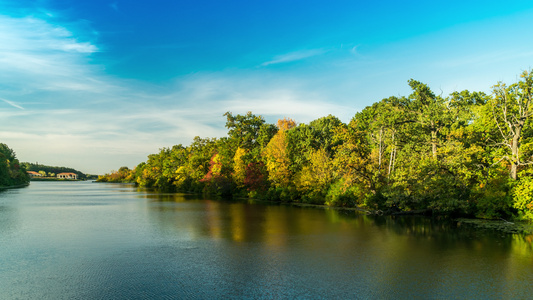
[354, 51]
[12, 103]
[36, 55]
[294, 56]
[73, 46]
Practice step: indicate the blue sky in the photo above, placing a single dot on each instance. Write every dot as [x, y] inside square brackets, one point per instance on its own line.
[96, 85]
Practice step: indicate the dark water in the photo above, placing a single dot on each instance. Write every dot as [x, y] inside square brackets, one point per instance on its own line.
[82, 240]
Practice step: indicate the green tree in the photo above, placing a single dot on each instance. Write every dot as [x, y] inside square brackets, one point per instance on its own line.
[12, 172]
[511, 110]
[429, 112]
[244, 130]
[355, 173]
[305, 139]
[314, 179]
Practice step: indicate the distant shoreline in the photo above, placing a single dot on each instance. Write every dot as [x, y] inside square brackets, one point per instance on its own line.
[53, 179]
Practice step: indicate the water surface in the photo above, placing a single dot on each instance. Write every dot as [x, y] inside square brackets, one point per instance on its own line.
[82, 240]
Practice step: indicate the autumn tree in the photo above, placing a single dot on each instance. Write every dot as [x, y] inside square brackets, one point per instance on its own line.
[256, 179]
[276, 157]
[239, 167]
[314, 179]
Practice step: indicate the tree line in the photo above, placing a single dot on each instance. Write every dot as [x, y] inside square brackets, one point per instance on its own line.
[469, 153]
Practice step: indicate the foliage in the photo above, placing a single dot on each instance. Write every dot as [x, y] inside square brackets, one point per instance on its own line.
[511, 110]
[124, 174]
[12, 172]
[244, 130]
[256, 177]
[239, 167]
[523, 197]
[275, 155]
[216, 182]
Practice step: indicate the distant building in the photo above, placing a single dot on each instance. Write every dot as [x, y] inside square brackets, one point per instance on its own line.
[34, 174]
[67, 176]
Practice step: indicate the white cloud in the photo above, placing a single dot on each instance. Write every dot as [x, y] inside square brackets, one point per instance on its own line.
[294, 56]
[79, 47]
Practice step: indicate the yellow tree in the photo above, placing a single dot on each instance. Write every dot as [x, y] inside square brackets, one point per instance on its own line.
[239, 167]
[314, 179]
[276, 156]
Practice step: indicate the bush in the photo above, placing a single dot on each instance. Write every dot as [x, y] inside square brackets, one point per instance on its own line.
[341, 195]
[523, 198]
[494, 199]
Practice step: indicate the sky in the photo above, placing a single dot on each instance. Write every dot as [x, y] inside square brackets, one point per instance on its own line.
[96, 85]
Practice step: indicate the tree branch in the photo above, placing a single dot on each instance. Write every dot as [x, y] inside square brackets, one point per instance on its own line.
[505, 157]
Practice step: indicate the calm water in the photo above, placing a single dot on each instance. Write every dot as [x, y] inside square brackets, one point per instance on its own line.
[82, 240]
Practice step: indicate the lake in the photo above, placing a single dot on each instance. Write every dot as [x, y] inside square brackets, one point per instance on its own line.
[84, 240]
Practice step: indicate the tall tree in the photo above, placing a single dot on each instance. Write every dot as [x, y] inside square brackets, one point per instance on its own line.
[384, 122]
[244, 129]
[239, 167]
[430, 113]
[511, 110]
[276, 157]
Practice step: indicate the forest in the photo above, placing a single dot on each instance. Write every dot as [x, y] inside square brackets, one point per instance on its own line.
[468, 153]
[12, 172]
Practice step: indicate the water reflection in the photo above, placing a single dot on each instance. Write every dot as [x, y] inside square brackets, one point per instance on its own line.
[420, 253]
[242, 221]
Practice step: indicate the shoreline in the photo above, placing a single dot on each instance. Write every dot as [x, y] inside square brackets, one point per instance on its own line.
[55, 179]
[14, 186]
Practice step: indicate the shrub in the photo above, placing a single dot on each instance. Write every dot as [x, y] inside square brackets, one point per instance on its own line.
[523, 198]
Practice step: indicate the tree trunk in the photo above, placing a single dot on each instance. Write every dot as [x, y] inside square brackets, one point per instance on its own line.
[392, 155]
[380, 147]
[515, 146]
[433, 140]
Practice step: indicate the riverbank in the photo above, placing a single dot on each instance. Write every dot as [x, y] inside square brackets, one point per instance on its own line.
[14, 186]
